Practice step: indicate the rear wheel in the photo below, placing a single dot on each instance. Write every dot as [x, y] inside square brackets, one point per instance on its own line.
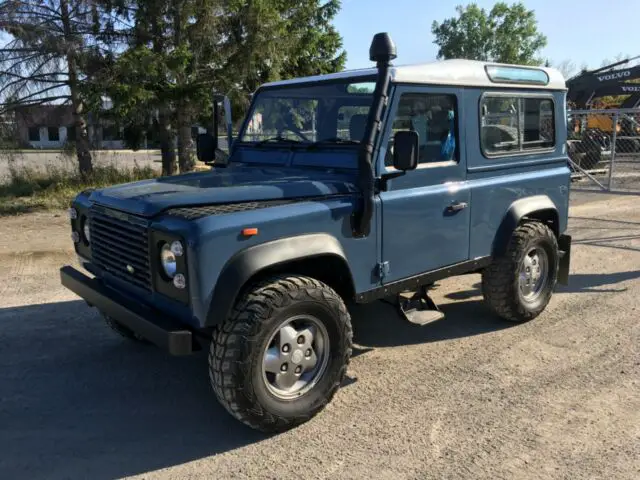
[281, 356]
[518, 284]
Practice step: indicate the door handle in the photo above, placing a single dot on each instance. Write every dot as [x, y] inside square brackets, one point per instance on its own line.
[456, 207]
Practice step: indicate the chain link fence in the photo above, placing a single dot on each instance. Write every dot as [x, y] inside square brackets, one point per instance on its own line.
[604, 148]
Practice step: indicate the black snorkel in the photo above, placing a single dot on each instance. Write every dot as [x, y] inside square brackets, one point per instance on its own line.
[382, 51]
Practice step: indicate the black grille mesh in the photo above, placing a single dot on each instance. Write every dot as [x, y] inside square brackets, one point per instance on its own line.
[120, 247]
[193, 213]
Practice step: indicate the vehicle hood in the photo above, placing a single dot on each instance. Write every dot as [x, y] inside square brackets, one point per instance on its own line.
[223, 185]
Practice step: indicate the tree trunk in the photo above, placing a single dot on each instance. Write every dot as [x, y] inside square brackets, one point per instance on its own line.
[183, 119]
[165, 133]
[166, 142]
[185, 144]
[83, 148]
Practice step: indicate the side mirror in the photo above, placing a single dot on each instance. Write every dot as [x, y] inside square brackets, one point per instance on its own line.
[206, 145]
[223, 100]
[406, 145]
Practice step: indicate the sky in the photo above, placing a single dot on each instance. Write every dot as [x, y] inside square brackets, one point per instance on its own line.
[584, 31]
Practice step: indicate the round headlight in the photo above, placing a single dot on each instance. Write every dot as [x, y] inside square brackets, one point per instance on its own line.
[85, 230]
[168, 261]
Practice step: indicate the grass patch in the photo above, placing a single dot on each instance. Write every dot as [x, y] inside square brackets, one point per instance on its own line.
[51, 187]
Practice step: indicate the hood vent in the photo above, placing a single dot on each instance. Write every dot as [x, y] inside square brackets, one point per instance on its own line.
[194, 213]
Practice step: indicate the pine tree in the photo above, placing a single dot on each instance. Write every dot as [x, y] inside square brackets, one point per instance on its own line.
[180, 51]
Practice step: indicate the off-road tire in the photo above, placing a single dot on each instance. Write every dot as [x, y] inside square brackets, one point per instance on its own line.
[235, 356]
[123, 331]
[500, 279]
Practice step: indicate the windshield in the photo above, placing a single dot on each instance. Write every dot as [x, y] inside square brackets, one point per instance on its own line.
[334, 112]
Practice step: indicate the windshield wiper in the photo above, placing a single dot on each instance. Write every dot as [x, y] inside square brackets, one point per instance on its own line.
[277, 139]
[333, 141]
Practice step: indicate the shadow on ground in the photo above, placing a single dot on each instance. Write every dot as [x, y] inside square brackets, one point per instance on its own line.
[78, 402]
[583, 195]
[379, 325]
[474, 291]
[578, 283]
[603, 233]
[594, 282]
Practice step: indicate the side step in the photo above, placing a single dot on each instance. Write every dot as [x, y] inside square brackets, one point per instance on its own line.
[419, 309]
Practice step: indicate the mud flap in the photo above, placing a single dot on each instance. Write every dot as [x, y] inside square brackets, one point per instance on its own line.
[564, 247]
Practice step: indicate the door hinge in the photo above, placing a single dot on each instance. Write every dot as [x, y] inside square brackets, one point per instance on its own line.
[383, 269]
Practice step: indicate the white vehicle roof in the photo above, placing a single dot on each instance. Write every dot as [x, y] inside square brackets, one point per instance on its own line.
[467, 73]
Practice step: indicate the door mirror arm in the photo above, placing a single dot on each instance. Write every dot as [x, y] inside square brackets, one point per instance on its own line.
[382, 182]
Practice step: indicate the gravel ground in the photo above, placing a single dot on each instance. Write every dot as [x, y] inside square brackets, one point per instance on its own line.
[466, 397]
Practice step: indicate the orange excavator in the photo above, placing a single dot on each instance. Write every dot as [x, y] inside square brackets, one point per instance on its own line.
[610, 87]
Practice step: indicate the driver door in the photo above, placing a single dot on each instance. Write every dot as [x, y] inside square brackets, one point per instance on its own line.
[425, 213]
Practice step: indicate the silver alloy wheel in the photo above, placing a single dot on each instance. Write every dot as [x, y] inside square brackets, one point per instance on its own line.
[533, 275]
[296, 357]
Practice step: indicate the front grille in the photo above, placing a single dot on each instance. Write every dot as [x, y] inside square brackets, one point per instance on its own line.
[120, 246]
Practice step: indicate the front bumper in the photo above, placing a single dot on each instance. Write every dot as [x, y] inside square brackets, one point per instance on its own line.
[152, 325]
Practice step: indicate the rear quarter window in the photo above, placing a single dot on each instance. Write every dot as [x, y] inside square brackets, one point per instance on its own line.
[516, 124]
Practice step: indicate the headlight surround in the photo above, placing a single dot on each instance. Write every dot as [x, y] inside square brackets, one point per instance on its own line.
[168, 261]
[169, 266]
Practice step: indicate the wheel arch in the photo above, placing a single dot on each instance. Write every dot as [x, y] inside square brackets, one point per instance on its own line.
[537, 207]
[316, 255]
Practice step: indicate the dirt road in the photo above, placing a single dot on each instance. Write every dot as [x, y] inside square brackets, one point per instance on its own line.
[466, 397]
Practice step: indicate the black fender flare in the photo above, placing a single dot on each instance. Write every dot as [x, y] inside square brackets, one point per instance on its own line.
[535, 206]
[247, 263]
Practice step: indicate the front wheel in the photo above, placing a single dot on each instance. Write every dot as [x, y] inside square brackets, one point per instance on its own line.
[518, 284]
[283, 353]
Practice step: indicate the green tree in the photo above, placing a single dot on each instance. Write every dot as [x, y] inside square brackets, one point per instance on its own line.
[144, 80]
[267, 41]
[506, 34]
[180, 51]
[52, 44]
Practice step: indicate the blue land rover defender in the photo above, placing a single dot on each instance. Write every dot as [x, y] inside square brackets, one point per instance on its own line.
[339, 189]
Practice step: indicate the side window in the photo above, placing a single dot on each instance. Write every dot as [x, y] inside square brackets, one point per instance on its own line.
[512, 124]
[538, 131]
[435, 118]
[500, 125]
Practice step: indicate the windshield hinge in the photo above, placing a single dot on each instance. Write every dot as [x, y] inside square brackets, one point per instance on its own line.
[383, 270]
